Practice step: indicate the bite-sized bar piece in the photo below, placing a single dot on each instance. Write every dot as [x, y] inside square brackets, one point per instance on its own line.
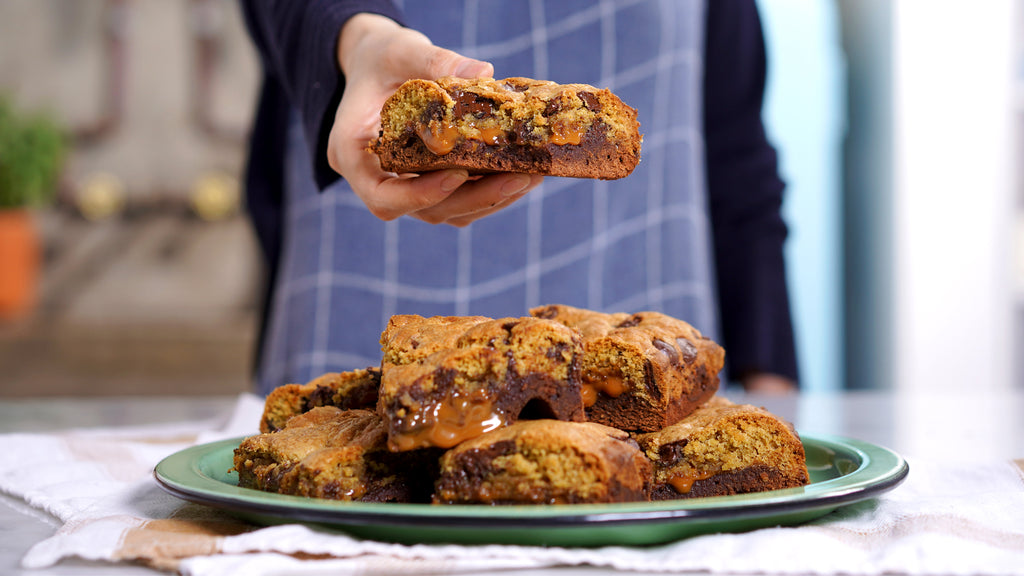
[545, 462]
[640, 372]
[335, 454]
[725, 448]
[510, 125]
[345, 390]
[448, 379]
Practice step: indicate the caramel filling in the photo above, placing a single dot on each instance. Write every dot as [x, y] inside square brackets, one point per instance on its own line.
[493, 135]
[566, 133]
[447, 423]
[682, 482]
[441, 137]
[439, 140]
[612, 385]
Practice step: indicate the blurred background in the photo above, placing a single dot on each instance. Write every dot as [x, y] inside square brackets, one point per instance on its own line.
[897, 123]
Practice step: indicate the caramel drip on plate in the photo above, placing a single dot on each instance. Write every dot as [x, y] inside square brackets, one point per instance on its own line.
[683, 481]
[447, 423]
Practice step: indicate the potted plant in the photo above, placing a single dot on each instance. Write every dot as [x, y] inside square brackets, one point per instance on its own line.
[31, 155]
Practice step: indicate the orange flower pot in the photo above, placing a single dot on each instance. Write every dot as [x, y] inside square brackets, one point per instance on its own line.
[19, 263]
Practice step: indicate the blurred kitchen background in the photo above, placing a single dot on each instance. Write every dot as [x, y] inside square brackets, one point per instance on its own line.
[898, 125]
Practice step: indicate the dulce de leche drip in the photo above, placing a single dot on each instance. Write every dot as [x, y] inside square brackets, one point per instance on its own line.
[448, 422]
[683, 481]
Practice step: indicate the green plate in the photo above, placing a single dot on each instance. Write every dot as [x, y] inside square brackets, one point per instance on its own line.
[842, 470]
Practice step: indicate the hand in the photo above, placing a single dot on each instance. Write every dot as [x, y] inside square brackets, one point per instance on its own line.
[376, 56]
[765, 383]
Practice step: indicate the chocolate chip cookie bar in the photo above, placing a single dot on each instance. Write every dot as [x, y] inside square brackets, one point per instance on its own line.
[510, 125]
[640, 372]
[724, 448]
[545, 462]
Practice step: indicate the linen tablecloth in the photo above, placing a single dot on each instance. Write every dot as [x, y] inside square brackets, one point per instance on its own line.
[963, 518]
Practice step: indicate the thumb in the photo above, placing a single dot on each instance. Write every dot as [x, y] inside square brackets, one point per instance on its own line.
[438, 62]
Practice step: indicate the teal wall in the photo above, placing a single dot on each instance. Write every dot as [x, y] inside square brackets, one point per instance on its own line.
[804, 115]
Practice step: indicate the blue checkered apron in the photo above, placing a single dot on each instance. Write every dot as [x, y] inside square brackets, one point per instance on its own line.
[640, 243]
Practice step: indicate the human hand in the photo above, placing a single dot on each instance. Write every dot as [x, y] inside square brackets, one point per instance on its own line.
[765, 383]
[376, 56]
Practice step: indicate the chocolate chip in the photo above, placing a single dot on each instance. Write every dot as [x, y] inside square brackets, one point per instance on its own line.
[516, 87]
[668, 350]
[546, 313]
[433, 111]
[471, 103]
[652, 387]
[553, 107]
[630, 322]
[556, 352]
[522, 133]
[688, 349]
[590, 101]
[671, 453]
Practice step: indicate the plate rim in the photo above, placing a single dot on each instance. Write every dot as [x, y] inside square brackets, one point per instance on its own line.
[879, 470]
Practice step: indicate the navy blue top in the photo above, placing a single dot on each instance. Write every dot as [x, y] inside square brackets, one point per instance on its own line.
[297, 42]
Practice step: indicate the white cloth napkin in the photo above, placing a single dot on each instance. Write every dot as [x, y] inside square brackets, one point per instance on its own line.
[944, 519]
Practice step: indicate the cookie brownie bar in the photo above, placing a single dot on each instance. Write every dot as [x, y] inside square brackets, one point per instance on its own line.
[724, 448]
[510, 125]
[345, 390]
[336, 454]
[545, 462]
[640, 372]
[447, 379]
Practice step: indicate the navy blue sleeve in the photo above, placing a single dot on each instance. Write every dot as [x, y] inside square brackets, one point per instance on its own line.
[298, 45]
[745, 196]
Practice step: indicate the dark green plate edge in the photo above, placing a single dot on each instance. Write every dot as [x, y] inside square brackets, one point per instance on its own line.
[859, 470]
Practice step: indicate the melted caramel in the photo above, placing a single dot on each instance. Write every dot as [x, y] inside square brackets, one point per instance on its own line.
[439, 139]
[683, 481]
[447, 423]
[566, 133]
[612, 385]
[589, 394]
[493, 135]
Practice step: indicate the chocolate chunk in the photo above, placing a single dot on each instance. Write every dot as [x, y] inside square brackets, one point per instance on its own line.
[515, 86]
[522, 133]
[548, 313]
[471, 103]
[629, 323]
[668, 350]
[434, 111]
[672, 453]
[553, 107]
[322, 396]
[689, 350]
[649, 382]
[590, 101]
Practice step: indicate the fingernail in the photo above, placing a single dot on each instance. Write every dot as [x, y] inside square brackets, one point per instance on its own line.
[454, 180]
[515, 185]
[472, 68]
